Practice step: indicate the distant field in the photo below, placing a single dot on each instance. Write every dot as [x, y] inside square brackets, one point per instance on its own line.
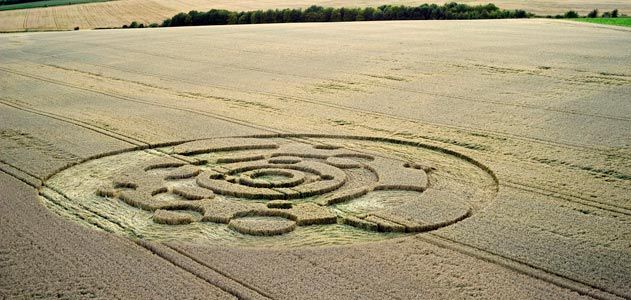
[607, 21]
[47, 3]
[117, 13]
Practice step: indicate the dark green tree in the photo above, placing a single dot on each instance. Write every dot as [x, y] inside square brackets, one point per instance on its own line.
[244, 18]
[377, 15]
[181, 19]
[571, 14]
[336, 15]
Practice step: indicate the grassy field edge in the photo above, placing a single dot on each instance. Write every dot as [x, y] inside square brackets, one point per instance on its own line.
[620, 21]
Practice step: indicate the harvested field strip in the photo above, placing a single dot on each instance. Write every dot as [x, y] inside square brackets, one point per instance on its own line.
[117, 13]
[46, 3]
[521, 267]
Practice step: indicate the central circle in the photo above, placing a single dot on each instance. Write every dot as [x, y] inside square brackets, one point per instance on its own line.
[272, 178]
[272, 175]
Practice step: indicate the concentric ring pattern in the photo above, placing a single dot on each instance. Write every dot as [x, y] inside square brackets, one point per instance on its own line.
[269, 190]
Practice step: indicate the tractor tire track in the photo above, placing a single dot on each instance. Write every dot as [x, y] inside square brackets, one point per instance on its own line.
[86, 125]
[583, 288]
[20, 174]
[550, 191]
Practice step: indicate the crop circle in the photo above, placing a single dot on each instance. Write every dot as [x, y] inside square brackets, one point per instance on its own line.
[292, 190]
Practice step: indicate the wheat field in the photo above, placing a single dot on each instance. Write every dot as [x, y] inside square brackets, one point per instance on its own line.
[523, 126]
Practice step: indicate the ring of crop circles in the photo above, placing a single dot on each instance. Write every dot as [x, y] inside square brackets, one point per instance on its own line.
[177, 185]
[297, 180]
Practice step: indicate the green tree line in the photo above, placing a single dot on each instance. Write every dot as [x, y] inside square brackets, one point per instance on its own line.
[571, 14]
[449, 11]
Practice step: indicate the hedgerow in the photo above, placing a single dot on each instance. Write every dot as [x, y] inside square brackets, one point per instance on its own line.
[449, 11]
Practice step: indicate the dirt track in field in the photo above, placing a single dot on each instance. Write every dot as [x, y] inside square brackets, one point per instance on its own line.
[118, 13]
[539, 105]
